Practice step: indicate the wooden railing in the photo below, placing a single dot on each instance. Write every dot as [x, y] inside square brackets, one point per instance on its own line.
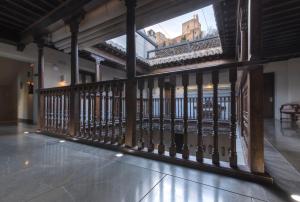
[169, 123]
[55, 110]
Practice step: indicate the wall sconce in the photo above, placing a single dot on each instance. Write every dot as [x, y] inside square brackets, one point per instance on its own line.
[29, 83]
[62, 81]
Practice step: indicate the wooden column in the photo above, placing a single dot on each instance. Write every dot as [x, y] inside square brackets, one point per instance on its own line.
[215, 82]
[244, 30]
[254, 29]
[199, 81]
[161, 146]
[40, 44]
[150, 87]
[255, 100]
[121, 136]
[74, 96]
[172, 149]
[130, 91]
[233, 155]
[185, 149]
[141, 113]
[98, 69]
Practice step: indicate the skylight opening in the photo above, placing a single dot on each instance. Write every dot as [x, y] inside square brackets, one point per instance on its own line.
[194, 34]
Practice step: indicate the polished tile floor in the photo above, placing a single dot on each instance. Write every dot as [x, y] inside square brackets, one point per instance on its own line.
[40, 168]
[282, 154]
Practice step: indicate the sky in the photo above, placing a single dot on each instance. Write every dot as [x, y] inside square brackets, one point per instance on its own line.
[206, 17]
[173, 27]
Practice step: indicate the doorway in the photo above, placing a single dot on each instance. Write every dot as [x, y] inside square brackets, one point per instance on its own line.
[269, 95]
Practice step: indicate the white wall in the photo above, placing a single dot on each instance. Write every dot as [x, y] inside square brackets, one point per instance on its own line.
[287, 82]
[56, 64]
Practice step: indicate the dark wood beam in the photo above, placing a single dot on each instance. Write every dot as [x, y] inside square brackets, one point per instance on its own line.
[285, 18]
[280, 13]
[64, 10]
[254, 29]
[16, 13]
[14, 19]
[35, 5]
[130, 92]
[17, 5]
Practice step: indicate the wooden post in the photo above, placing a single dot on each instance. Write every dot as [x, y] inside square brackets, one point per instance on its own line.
[255, 100]
[161, 146]
[74, 96]
[254, 29]
[172, 149]
[199, 81]
[130, 92]
[40, 103]
[215, 82]
[98, 69]
[150, 87]
[185, 149]
[121, 136]
[141, 138]
[233, 154]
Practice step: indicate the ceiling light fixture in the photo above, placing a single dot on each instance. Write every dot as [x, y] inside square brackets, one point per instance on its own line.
[296, 197]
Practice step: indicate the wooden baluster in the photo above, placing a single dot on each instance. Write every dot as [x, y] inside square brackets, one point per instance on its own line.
[233, 154]
[121, 139]
[89, 111]
[56, 111]
[106, 111]
[47, 110]
[141, 138]
[65, 111]
[215, 82]
[84, 111]
[100, 112]
[113, 106]
[185, 83]
[61, 111]
[199, 81]
[161, 146]
[95, 118]
[80, 112]
[53, 112]
[69, 111]
[172, 149]
[50, 110]
[150, 105]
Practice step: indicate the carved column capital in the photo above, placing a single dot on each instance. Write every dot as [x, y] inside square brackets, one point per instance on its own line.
[130, 3]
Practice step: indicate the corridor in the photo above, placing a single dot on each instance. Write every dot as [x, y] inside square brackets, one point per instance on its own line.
[41, 168]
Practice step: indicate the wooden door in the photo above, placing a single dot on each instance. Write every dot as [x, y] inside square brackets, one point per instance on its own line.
[269, 95]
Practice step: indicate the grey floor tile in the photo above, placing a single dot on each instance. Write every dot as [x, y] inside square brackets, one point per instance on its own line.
[172, 189]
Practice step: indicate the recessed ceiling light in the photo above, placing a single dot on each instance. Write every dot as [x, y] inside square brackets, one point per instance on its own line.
[26, 163]
[26, 132]
[61, 141]
[119, 155]
[296, 197]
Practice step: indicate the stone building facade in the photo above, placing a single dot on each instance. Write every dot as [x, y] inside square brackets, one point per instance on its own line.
[191, 30]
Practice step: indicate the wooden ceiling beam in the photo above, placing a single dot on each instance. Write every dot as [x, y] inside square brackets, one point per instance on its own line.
[16, 13]
[11, 23]
[48, 3]
[285, 18]
[278, 5]
[282, 25]
[35, 5]
[283, 34]
[23, 8]
[64, 10]
[281, 12]
[15, 19]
